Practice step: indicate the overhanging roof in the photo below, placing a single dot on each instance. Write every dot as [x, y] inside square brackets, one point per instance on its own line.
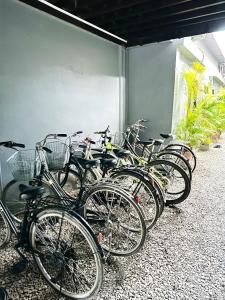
[142, 21]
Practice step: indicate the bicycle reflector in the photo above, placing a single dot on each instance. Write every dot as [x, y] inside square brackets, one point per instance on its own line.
[100, 237]
[137, 199]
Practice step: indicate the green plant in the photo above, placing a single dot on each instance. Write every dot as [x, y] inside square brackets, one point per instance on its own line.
[194, 129]
[193, 78]
[205, 113]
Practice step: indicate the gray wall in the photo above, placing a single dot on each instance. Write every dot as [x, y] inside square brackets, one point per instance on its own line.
[150, 90]
[55, 77]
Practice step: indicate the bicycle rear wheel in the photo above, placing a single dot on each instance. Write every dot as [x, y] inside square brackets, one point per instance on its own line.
[66, 253]
[177, 159]
[115, 218]
[143, 192]
[186, 151]
[176, 183]
[13, 202]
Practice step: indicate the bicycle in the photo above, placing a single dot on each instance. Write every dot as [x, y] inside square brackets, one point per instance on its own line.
[105, 206]
[76, 175]
[177, 188]
[143, 148]
[61, 242]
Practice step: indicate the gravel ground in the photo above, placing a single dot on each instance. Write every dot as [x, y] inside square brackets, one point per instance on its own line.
[183, 258]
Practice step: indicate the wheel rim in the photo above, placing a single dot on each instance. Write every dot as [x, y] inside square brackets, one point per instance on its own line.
[68, 260]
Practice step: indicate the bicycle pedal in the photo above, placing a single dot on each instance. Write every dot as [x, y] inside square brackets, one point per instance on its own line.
[19, 267]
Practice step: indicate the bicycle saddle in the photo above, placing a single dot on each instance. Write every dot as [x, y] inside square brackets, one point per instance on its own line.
[145, 142]
[88, 163]
[108, 162]
[3, 294]
[30, 192]
[158, 142]
[121, 153]
[166, 136]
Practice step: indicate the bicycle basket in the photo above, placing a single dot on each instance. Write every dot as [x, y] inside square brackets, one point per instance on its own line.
[24, 165]
[57, 159]
[118, 139]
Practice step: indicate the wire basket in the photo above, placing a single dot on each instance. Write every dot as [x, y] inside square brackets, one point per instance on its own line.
[24, 165]
[118, 139]
[59, 156]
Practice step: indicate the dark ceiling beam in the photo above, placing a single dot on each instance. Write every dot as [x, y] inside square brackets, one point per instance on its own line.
[70, 19]
[185, 18]
[117, 5]
[179, 33]
[187, 29]
[193, 7]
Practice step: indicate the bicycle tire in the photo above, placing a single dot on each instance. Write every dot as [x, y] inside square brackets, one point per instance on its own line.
[64, 258]
[11, 198]
[182, 195]
[147, 187]
[179, 159]
[178, 148]
[93, 198]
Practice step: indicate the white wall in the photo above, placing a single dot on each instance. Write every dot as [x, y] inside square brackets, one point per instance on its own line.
[55, 77]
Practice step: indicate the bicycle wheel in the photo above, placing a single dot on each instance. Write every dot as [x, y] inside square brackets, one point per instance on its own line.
[5, 232]
[176, 183]
[160, 192]
[143, 192]
[16, 205]
[186, 151]
[69, 180]
[66, 253]
[177, 159]
[115, 218]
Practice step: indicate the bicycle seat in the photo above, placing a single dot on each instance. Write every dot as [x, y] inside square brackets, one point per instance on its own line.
[121, 153]
[108, 162]
[158, 142]
[166, 136]
[3, 294]
[30, 192]
[88, 163]
[145, 143]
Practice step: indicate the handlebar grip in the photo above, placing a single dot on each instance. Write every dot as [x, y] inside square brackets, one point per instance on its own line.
[47, 149]
[62, 134]
[10, 144]
[18, 145]
[79, 132]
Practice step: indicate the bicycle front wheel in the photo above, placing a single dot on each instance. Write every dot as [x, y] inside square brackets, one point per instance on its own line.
[115, 218]
[66, 253]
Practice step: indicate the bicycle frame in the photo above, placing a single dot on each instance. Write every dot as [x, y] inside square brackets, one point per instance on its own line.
[9, 219]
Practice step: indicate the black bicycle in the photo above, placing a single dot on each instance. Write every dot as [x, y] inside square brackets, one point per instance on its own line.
[62, 243]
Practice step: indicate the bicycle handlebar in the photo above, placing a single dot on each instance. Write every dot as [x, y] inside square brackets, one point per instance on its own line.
[11, 144]
[103, 132]
[47, 149]
[61, 135]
